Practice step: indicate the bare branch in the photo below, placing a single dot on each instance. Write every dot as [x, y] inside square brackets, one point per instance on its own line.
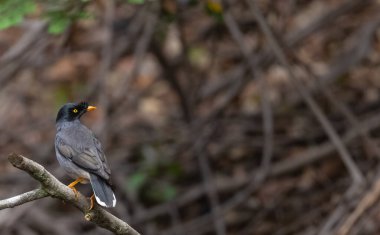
[54, 188]
[23, 198]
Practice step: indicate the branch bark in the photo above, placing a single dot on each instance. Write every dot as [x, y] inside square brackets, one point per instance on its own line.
[51, 186]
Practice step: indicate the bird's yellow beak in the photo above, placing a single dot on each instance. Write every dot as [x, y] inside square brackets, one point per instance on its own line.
[90, 108]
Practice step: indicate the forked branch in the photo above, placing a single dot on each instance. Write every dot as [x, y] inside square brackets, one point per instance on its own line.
[51, 186]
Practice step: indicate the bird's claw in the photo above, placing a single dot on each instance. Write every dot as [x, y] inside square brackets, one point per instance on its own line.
[92, 202]
[72, 186]
[75, 192]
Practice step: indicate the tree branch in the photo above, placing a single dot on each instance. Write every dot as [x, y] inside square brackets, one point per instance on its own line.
[23, 198]
[52, 187]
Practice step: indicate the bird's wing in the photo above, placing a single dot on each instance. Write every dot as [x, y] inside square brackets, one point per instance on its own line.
[101, 155]
[87, 156]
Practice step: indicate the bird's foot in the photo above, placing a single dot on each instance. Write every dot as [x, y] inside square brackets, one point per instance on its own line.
[75, 192]
[72, 186]
[92, 199]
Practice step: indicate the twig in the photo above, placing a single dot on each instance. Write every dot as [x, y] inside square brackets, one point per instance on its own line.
[23, 198]
[33, 33]
[295, 163]
[364, 204]
[267, 116]
[349, 58]
[52, 187]
[99, 85]
[169, 74]
[140, 50]
[326, 19]
[286, 166]
[331, 220]
[354, 54]
[129, 29]
[355, 173]
[176, 220]
[345, 110]
[268, 147]
[293, 39]
[209, 182]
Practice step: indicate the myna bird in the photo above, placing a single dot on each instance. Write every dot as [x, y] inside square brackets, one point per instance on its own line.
[80, 153]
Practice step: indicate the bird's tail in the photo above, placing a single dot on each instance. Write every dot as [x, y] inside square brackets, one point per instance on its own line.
[103, 192]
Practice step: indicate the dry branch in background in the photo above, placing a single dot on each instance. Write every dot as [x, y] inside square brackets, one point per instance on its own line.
[52, 187]
[346, 157]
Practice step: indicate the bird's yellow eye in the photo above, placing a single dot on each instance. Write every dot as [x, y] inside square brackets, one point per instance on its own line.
[75, 110]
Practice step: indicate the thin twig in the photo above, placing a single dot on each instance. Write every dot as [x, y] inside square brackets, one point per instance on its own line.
[98, 87]
[295, 163]
[267, 116]
[286, 166]
[326, 19]
[369, 199]
[345, 110]
[33, 33]
[140, 49]
[169, 74]
[209, 182]
[267, 127]
[355, 173]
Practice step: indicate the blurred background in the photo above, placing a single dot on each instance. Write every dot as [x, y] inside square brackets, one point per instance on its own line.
[234, 117]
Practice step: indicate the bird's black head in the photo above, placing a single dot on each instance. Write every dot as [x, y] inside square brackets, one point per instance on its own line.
[73, 111]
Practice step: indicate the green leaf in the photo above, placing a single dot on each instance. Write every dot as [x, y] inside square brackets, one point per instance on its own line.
[169, 192]
[61, 95]
[162, 192]
[199, 57]
[173, 170]
[136, 1]
[215, 9]
[136, 181]
[13, 11]
[58, 25]
[61, 13]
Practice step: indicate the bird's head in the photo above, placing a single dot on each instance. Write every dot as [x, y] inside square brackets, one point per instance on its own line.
[73, 111]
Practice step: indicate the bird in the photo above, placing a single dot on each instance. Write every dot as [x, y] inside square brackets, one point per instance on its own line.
[81, 155]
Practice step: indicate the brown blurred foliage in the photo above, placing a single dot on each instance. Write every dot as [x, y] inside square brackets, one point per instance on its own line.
[201, 122]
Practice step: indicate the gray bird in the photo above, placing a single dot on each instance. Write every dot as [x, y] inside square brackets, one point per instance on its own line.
[81, 155]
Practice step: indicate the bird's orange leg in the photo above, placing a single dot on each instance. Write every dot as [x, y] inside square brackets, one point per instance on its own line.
[92, 198]
[72, 186]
